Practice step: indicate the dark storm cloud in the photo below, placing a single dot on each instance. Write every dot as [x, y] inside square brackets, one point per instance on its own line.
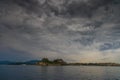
[58, 28]
[30, 6]
[116, 31]
[77, 8]
[85, 41]
[111, 39]
[94, 25]
[109, 46]
[11, 54]
[86, 9]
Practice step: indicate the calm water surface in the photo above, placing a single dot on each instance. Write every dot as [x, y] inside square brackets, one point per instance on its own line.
[59, 73]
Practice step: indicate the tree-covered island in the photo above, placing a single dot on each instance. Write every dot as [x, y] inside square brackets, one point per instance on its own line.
[47, 62]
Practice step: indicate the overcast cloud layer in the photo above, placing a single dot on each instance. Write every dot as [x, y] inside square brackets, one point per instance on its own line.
[75, 30]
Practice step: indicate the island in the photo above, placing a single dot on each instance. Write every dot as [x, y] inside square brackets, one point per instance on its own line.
[47, 62]
[55, 62]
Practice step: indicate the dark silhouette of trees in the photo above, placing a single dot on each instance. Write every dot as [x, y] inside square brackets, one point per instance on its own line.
[59, 61]
[45, 60]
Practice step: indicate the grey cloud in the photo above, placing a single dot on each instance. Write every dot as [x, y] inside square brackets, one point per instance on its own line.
[68, 8]
[115, 31]
[30, 6]
[86, 8]
[109, 46]
[68, 28]
[57, 29]
[85, 41]
[74, 9]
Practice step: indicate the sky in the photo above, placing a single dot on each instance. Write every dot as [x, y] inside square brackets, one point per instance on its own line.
[74, 30]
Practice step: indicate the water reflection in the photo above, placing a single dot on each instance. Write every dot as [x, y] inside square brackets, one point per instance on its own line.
[59, 73]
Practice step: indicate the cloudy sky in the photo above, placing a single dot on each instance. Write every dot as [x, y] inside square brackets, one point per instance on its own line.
[75, 30]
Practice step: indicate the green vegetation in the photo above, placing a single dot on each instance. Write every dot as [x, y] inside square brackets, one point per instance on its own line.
[46, 62]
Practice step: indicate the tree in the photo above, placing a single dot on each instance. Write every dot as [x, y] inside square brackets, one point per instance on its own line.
[59, 61]
[46, 60]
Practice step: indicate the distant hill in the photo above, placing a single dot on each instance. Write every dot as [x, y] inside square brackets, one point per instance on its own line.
[32, 62]
[5, 62]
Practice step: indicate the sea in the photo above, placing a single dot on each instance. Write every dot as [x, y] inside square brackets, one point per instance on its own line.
[31, 72]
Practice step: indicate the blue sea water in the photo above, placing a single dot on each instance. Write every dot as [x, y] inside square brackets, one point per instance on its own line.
[21, 72]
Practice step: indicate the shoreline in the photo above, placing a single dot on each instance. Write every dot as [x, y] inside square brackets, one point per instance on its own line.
[106, 65]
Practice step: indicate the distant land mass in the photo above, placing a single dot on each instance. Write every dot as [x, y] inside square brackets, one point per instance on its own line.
[56, 62]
